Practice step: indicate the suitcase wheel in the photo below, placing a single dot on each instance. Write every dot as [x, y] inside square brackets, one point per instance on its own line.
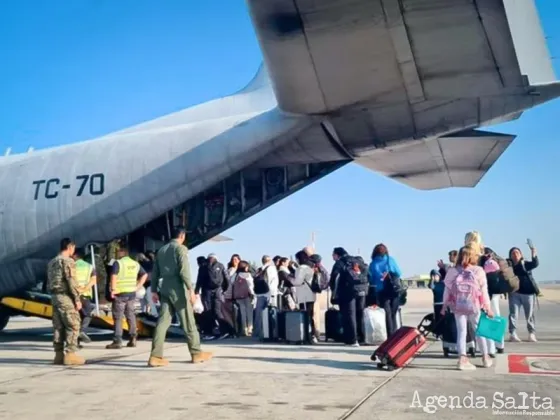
[472, 352]
[445, 352]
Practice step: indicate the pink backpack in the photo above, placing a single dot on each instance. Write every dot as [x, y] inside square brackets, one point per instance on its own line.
[466, 293]
[491, 266]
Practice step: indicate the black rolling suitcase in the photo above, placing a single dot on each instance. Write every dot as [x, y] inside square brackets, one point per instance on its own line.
[333, 324]
[449, 336]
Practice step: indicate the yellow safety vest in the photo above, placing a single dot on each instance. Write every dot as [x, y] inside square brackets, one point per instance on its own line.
[128, 275]
[83, 275]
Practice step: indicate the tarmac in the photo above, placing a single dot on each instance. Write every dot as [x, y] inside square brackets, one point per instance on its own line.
[250, 380]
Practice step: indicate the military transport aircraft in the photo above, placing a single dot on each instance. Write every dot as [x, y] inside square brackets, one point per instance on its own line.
[397, 86]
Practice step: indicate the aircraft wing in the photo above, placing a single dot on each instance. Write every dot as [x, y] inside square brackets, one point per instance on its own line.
[220, 238]
[458, 160]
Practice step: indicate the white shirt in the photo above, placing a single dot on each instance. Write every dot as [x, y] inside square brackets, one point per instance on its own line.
[271, 278]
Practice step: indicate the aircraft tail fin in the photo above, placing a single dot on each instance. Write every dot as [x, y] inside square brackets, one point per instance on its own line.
[529, 41]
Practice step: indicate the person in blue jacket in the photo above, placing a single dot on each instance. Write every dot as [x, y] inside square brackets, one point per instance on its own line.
[382, 264]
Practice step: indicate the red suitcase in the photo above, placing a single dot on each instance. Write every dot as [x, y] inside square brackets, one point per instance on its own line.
[400, 348]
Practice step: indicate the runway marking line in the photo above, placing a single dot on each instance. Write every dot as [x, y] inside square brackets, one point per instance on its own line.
[521, 364]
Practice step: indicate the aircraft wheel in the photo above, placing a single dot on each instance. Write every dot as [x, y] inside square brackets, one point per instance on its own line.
[3, 320]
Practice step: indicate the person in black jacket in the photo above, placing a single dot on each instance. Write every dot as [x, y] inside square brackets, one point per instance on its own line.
[338, 255]
[211, 283]
[351, 294]
[527, 294]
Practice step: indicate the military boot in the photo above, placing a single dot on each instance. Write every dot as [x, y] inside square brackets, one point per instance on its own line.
[115, 345]
[157, 362]
[203, 356]
[73, 359]
[131, 342]
[58, 358]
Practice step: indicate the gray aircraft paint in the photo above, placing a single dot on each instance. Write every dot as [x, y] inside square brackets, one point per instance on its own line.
[397, 86]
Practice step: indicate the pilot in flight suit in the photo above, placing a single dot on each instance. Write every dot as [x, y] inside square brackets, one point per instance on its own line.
[177, 296]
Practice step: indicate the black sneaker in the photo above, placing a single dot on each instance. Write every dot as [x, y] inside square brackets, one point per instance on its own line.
[114, 346]
[131, 342]
[500, 351]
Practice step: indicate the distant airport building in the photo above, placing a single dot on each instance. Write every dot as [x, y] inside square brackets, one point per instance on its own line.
[419, 281]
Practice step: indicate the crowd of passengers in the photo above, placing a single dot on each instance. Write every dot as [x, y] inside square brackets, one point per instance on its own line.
[296, 284]
[482, 262]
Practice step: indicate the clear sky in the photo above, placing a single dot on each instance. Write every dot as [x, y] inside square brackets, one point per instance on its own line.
[72, 71]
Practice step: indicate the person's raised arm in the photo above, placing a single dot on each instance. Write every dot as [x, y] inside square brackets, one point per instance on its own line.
[534, 263]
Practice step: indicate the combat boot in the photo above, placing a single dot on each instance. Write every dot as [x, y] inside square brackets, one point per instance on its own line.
[73, 359]
[58, 358]
[131, 342]
[115, 345]
[203, 356]
[157, 362]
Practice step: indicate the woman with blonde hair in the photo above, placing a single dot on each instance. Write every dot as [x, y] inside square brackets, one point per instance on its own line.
[485, 254]
[474, 239]
[466, 294]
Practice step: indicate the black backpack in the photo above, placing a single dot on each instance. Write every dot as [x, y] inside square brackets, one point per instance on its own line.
[260, 285]
[354, 274]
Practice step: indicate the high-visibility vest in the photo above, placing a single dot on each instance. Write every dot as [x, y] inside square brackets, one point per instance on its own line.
[128, 275]
[83, 275]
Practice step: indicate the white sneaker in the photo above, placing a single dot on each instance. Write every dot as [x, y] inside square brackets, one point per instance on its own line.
[356, 344]
[487, 363]
[514, 338]
[533, 338]
[314, 340]
[465, 366]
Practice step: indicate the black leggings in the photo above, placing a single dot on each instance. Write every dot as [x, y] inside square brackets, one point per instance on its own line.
[391, 306]
[353, 319]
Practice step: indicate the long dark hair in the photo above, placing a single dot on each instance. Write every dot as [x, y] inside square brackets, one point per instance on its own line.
[230, 263]
[243, 267]
[380, 250]
[302, 257]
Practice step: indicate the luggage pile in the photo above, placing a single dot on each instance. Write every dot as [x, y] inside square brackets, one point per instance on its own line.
[291, 327]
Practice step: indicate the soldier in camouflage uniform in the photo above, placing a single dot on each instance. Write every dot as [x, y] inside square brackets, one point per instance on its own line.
[112, 250]
[62, 286]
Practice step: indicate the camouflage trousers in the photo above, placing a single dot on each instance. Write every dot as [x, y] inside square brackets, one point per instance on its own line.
[66, 324]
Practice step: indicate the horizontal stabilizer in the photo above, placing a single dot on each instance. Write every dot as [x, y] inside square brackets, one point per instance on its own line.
[458, 160]
[529, 41]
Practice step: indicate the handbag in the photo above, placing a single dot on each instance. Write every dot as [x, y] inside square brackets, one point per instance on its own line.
[491, 328]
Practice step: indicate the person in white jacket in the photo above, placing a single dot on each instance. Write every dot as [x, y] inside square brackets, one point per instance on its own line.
[269, 273]
[243, 293]
[305, 297]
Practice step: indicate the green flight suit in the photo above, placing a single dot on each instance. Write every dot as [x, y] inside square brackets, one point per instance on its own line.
[172, 265]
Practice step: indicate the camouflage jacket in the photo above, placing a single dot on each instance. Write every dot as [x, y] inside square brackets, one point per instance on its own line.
[172, 265]
[61, 275]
